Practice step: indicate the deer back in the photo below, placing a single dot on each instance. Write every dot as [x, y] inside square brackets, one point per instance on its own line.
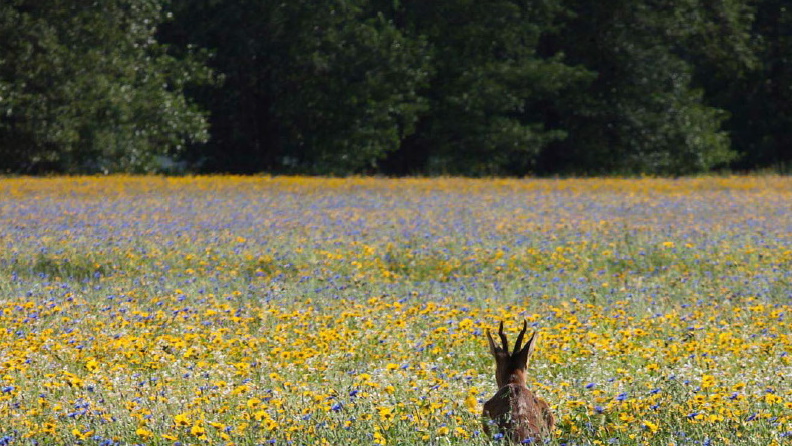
[519, 413]
[516, 411]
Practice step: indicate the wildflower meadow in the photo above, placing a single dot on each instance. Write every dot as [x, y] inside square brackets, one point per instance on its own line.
[316, 311]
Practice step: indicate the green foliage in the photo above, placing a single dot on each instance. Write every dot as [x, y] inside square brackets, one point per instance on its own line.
[760, 100]
[488, 84]
[643, 113]
[510, 87]
[347, 93]
[88, 88]
[319, 87]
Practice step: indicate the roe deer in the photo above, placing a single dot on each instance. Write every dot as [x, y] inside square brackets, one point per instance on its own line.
[521, 416]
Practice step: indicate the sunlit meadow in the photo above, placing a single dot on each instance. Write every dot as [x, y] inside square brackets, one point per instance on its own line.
[258, 310]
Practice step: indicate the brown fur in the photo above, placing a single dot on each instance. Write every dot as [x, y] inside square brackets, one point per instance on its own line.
[517, 412]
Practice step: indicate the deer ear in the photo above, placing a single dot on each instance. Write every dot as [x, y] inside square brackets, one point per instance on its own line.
[524, 355]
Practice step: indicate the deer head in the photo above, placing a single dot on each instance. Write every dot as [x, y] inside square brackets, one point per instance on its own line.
[510, 367]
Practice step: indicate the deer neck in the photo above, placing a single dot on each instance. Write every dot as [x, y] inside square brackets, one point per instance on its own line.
[505, 377]
[516, 377]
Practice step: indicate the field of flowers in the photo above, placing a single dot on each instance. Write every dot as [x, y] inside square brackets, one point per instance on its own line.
[259, 310]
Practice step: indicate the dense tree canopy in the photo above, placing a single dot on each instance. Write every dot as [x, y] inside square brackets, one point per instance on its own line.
[496, 87]
[85, 86]
[643, 112]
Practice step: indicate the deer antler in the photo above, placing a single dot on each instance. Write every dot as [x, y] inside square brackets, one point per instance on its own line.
[518, 344]
[503, 338]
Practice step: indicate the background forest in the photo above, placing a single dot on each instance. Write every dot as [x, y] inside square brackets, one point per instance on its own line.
[464, 87]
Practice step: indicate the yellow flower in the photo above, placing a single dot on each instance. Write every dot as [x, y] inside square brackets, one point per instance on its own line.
[378, 438]
[650, 426]
[82, 435]
[385, 413]
[626, 417]
[471, 403]
[92, 365]
[772, 398]
[573, 404]
[197, 430]
[714, 418]
[270, 424]
[182, 420]
[144, 433]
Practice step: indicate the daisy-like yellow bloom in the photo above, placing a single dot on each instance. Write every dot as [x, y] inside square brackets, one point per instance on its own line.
[198, 430]
[650, 426]
[82, 435]
[92, 365]
[386, 413]
[144, 433]
[182, 420]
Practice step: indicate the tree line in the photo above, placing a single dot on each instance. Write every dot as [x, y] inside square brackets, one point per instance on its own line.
[397, 87]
